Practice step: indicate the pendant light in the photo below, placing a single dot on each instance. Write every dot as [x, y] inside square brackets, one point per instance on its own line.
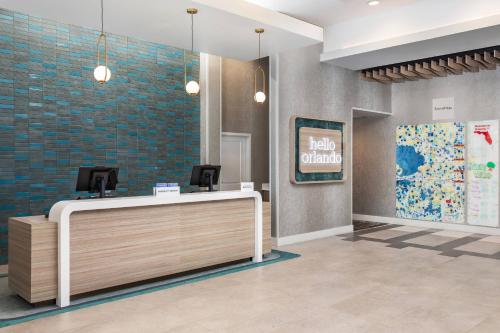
[102, 74]
[259, 95]
[192, 87]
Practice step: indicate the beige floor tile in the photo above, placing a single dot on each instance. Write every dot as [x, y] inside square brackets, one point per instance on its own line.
[326, 321]
[335, 286]
[488, 325]
[385, 234]
[492, 239]
[482, 247]
[409, 228]
[430, 240]
[452, 233]
[430, 321]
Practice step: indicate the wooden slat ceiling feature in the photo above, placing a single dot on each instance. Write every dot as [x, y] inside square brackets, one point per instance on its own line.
[451, 64]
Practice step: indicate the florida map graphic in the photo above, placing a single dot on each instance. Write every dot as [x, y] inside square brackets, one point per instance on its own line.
[482, 173]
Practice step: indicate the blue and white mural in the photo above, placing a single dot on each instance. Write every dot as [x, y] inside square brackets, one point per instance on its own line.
[430, 172]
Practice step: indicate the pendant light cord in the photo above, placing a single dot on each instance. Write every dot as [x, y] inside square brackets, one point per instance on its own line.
[102, 16]
[102, 38]
[259, 49]
[192, 34]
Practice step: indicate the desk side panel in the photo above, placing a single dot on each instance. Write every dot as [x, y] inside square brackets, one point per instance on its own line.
[33, 258]
[20, 258]
[266, 227]
[43, 261]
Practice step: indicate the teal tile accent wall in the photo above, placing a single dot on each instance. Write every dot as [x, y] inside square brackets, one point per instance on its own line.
[54, 117]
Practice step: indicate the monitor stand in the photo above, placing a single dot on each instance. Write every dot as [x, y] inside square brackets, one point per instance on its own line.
[211, 183]
[102, 187]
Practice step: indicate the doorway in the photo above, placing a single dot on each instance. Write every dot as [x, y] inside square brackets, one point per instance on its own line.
[236, 157]
[364, 158]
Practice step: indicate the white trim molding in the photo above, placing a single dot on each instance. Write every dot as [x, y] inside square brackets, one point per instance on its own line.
[204, 108]
[274, 142]
[427, 224]
[287, 240]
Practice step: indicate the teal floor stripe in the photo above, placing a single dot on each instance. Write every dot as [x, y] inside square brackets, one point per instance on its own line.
[283, 256]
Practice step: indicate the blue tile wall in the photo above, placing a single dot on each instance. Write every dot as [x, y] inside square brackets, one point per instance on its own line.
[54, 117]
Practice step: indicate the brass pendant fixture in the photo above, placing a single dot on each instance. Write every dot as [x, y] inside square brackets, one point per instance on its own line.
[192, 87]
[102, 74]
[259, 94]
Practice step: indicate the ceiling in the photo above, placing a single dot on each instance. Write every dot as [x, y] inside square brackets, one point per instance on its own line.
[324, 13]
[222, 27]
[453, 43]
[411, 32]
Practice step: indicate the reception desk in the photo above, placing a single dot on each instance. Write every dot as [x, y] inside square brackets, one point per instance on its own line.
[88, 245]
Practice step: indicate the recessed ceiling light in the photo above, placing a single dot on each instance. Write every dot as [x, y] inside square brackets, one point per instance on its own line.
[373, 3]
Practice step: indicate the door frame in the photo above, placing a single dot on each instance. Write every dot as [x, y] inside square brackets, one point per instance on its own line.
[248, 139]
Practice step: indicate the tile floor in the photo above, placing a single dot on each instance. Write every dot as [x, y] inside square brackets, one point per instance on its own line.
[351, 283]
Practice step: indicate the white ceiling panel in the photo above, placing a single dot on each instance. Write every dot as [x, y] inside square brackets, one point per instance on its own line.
[222, 27]
[328, 12]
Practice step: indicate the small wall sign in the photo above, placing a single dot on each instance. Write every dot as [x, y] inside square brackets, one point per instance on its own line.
[443, 108]
[317, 150]
[246, 186]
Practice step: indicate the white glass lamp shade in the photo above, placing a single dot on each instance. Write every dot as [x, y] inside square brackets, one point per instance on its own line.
[260, 97]
[102, 74]
[192, 88]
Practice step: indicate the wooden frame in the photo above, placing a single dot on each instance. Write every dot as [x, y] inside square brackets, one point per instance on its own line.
[293, 151]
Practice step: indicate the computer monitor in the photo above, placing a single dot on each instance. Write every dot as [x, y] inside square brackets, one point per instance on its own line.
[97, 179]
[205, 176]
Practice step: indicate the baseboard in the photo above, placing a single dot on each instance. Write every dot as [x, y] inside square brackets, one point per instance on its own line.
[426, 224]
[287, 240]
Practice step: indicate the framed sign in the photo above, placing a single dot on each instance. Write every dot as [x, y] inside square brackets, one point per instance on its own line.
[316, 150]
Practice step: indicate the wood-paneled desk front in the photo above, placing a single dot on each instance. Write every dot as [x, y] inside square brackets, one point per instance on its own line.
[88, 245]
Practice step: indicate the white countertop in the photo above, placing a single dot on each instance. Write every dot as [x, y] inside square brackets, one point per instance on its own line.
[150, 200]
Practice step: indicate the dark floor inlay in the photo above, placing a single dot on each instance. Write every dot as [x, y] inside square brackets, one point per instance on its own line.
[362, 225]
[449, 248]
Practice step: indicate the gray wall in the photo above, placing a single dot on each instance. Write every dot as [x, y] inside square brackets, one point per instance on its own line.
[476, 98]
[241, 114]
[307, 87]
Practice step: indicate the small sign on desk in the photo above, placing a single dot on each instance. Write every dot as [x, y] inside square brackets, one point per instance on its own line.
[166, 190]
[246, 186]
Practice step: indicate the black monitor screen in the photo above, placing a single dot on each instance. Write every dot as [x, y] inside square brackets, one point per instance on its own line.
[205, 175]
[89, 179]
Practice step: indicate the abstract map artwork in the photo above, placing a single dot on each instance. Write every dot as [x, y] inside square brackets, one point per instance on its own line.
[482, 173]
[430, 172]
